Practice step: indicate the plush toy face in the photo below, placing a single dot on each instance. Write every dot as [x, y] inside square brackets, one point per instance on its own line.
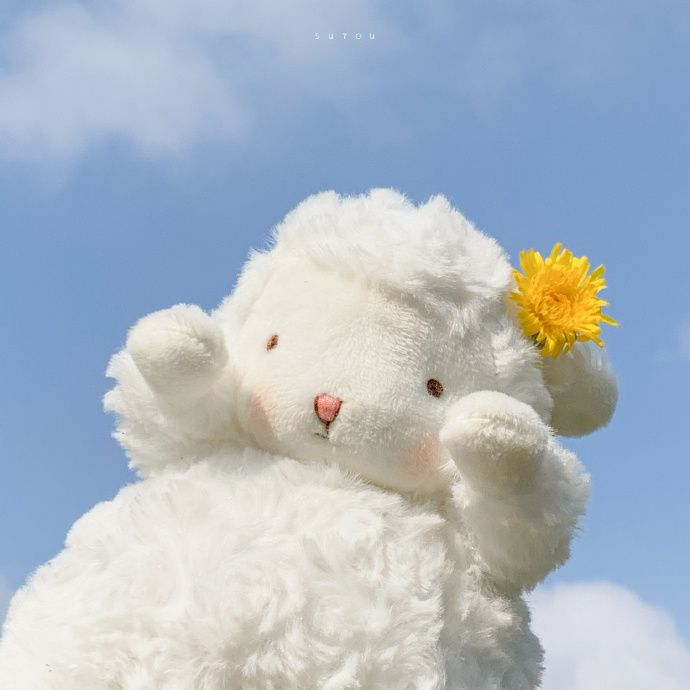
[349, 341]
[331, 368]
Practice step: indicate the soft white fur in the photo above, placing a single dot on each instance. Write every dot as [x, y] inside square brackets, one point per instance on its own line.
[258, 555]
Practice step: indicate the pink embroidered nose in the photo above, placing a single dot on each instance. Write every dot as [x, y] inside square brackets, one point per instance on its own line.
[327, 407]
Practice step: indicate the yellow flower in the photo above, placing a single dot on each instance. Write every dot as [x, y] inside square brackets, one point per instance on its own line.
[558, 300]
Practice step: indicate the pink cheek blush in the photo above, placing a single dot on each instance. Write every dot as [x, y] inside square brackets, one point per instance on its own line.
[259, 420]
[425, 458]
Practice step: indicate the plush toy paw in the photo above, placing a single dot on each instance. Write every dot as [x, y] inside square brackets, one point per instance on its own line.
[180, 351]
[495, 439]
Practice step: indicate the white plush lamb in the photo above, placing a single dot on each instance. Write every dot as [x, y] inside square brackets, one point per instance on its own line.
[349, 474]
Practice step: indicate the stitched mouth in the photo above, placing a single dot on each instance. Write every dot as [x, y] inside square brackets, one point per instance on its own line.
[321, 434]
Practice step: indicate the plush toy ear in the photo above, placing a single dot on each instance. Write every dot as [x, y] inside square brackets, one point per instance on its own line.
[583, 388]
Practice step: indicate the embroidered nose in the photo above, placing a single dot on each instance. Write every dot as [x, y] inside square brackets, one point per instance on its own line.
[327, 407]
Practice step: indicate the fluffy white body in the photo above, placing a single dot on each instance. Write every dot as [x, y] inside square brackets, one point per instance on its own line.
[350, 477]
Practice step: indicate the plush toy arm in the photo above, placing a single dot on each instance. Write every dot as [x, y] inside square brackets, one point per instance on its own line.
[173, 392]
[521, 494]
[180, 352]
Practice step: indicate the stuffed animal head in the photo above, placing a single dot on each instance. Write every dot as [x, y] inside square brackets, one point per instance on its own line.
[352, 336]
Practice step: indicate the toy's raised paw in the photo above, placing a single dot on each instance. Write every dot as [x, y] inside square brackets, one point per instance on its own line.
[180, 351]
[495, 439]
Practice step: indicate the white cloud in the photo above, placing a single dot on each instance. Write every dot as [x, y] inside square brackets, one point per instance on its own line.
[601, 636]
[163, 75]
[5, 596]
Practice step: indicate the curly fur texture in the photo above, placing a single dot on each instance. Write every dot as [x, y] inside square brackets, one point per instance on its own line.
[387, 545]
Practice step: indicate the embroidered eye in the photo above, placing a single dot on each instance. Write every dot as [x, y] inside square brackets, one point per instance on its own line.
[272, 342]
[434, 387]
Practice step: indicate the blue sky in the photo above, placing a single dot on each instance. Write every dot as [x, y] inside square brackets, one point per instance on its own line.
[145, 146]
